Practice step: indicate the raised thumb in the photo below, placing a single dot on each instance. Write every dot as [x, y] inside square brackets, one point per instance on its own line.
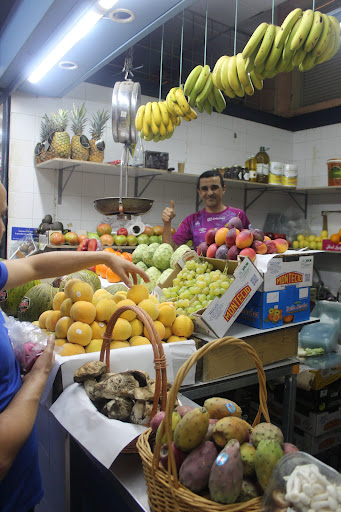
[172, 205]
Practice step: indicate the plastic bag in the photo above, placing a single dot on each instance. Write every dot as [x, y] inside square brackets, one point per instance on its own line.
[28, 342]
[22, 248]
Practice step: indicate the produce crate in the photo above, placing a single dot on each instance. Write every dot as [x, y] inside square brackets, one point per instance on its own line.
[316, 444]
[227, 360]
[286, 270]
[327, 245]
[156, 160]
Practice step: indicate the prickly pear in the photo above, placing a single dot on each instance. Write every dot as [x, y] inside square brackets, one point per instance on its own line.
[248, 452]
[221, 407]
[191, 429]
[230, 428]
[226, 475]
[248, 492]
[266, 431]
[195, 469]
[268, 453]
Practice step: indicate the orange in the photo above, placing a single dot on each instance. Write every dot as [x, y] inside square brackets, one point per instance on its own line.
[101, 270]
[335, 238]
[109, 249]
[111, 276]
[127, 256]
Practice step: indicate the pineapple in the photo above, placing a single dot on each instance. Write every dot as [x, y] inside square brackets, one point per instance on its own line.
[79, 143]
[41, 153]
[60, 144]
[96, 144]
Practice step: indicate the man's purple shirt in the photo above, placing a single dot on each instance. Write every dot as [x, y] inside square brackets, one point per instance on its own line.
[194, 226]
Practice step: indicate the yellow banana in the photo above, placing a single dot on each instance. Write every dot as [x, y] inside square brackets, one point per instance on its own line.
[304, 29]
[287, 52]
[176, 120]
[216, 73]
[249, 89]
[162, 129]
[315, 32]
[154, 126]
[172, 94]
[225, 79]
[208, 107]
[147, 115]
[326, 55]
[164, 112]
[256, 81]
[182, 102]
[241, 71]
[282, 65]
[274, 54]
[156, 113]
[206, 90]
[232, 75]
[187, 118]
[200, 83]
[240, 92]
[146, 127]
[308, 62]
[173, 107]
[193, 114]
[139, 118]
[219, 100]
[265, 47]
[169, 135]
[149, 136]
[286, 26]
[322, 43]
[156, 137]
[191, 80]
[170, 126]
[336, 24]
[192, 99]
[298, 57]
[254, 40]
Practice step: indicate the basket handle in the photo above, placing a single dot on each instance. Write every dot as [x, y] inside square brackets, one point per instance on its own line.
[166, 426]
[159, 356]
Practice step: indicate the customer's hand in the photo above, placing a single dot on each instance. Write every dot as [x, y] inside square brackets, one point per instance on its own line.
[45, 361]
[168, 213]
[124, 268]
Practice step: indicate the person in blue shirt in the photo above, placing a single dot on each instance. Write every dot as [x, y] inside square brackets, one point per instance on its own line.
[20, 480]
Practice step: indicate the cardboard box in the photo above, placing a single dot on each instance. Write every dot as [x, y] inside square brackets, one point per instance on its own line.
[284, 270]
[220, 314]
[316, 444]
[273, 309]
[327, 245]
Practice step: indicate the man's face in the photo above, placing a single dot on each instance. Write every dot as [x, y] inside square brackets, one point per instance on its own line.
[211, 192]
[3, 208]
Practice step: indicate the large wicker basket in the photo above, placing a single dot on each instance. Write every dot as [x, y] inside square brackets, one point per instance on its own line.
[159, 359]
[165, 493]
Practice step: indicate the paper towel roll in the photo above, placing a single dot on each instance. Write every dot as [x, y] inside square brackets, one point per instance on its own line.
[136, 229]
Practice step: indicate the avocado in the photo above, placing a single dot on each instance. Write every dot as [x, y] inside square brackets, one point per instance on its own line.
[47, 219]
[44, 226]
[58, 226]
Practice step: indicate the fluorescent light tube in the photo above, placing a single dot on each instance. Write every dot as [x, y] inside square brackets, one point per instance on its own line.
[107, 4]
[76, 34]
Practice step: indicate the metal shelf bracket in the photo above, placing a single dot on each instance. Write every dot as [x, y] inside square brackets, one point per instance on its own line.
[61, 186]
[136, 183]
[289, 192]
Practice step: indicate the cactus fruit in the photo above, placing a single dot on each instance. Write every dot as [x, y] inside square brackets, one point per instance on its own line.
[221, 407]
[248, 452]
[267, 455]
[226, 475]
[248, 492]
[266, 431]
[195, 469]
[191, 429]
[230, 428]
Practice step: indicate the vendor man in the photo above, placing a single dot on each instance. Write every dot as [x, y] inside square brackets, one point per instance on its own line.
[211, 189]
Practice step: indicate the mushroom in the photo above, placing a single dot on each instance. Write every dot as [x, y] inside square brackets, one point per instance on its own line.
[91, 369]
[116, 385]
[143, 394]
[89, 385]
[137, 414]
[141, 376]
[119, 408]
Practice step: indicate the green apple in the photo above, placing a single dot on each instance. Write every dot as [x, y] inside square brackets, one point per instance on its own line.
[132, 240]
[154, 239]
[143, 239]
[120, 240]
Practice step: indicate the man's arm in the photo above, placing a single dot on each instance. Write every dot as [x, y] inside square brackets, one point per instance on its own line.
[17, 420]
[53, 264]
[167, 215]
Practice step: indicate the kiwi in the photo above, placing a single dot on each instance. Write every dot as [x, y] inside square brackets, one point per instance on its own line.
[58, 226]
[47, 219]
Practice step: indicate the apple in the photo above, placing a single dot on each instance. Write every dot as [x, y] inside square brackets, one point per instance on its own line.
[122, 231]
[211, 251]
[160, 239]
[210, 235]
[71, 238]
[143, 239]
[81, 238]
[158, 230]
[132, 240]
[154, 239]
[279, 235]
[257, 234]
[179, 456]
[120, 240]
[221, 253]
[104, 229]
[233, 252]
[148, 231]
[57, 238]
[106, 240]
[235, 222]
[202, 249]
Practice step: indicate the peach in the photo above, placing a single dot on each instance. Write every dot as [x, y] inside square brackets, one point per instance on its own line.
[281, 245]
[259, 247]
[231, 235]
[244, 239]
[220, 236]
[233, 252]
[212, 249]
[248, 251]
[271, 246]
[235, 222]
[210, 235]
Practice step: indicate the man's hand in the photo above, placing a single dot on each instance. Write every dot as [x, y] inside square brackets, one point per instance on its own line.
[168, 213]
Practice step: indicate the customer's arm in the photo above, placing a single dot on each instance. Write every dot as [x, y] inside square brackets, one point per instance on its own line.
[17, 420]
[54, 264]
[168, 215]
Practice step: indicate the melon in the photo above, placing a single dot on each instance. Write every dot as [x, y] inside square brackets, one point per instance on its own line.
[12, 298]
[114, 288]
[37, 300]
[84, 275]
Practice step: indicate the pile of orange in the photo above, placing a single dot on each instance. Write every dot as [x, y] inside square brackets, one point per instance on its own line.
[336, 237]
[105, 272]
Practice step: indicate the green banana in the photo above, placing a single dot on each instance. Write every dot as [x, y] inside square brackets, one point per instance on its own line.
[250, 61]
[232, 75]
[156, 137]
[240, 92]
[200, 83]
[303, 32]
[286, 26]
[315, 32]
[241, 71]
[192, 99]
[225, 79]
[326, 55]
[265, 47]
[308, 62]
[208, 107]
[249, 89]
[149, 136]
[259, 69]
[322, 43]
[254, 40]
[256, 81]
[336, 24]
[298, 57]
[274, 54]
[200, 107]
[270, 73]
[191, 80]
[219, 100]
[211, 98]
[281, 65]
[287, 52]
[216, 73]
[206, 90]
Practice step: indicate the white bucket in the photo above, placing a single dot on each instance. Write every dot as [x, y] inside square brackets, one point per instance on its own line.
[289, 178]
[275, 173]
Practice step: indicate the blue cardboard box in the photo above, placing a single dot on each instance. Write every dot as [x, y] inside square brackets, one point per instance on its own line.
[273, 309]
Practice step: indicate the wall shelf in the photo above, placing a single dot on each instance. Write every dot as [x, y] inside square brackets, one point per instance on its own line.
[61, 165]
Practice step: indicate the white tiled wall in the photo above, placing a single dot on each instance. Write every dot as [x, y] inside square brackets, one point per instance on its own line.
[210, 141]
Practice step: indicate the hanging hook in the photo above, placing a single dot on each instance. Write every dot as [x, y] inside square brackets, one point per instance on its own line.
[273, 12]
[182, 44]
[161, 61]
[235, 29]
[205, 33]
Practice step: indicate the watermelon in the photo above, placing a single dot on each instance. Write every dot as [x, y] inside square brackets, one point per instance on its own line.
[10, 299]
[114, 288]
[37, 300]
[84, 275]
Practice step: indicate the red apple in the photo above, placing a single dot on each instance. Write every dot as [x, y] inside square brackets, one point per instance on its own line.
[210, 235]
[71, 238]
[271, 246]
[235, 222]
[104, 229]
[57, 239]
[244, 239]
[212, 249]
[202, 249]
[81, 238]
[122, 231]
[231, 235]
[147, 231]
[221, 253]
[158, 230]
[259, 247]
[179, 456]
[248, 251]
[281, 245]
[233, 252]
[257, 234]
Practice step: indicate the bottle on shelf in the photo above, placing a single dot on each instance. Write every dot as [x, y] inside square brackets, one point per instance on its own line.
[263, 164]
[138, 157]
[251, 163]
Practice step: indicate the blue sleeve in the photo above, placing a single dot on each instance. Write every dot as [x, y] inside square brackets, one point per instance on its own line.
[3, 275]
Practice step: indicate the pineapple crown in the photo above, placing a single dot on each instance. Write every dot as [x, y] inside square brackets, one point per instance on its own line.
[59, 120]
[78, 119]
[46, 128]
[98, 122]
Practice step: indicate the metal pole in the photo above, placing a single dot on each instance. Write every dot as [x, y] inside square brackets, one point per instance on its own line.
[6, 118]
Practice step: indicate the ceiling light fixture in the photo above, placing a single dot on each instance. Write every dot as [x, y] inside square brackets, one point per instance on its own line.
[80, 29]
[68, 65]
[122, 15]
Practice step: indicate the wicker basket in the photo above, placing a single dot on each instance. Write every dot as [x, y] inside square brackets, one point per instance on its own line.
[165, 493]
[159, 359]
